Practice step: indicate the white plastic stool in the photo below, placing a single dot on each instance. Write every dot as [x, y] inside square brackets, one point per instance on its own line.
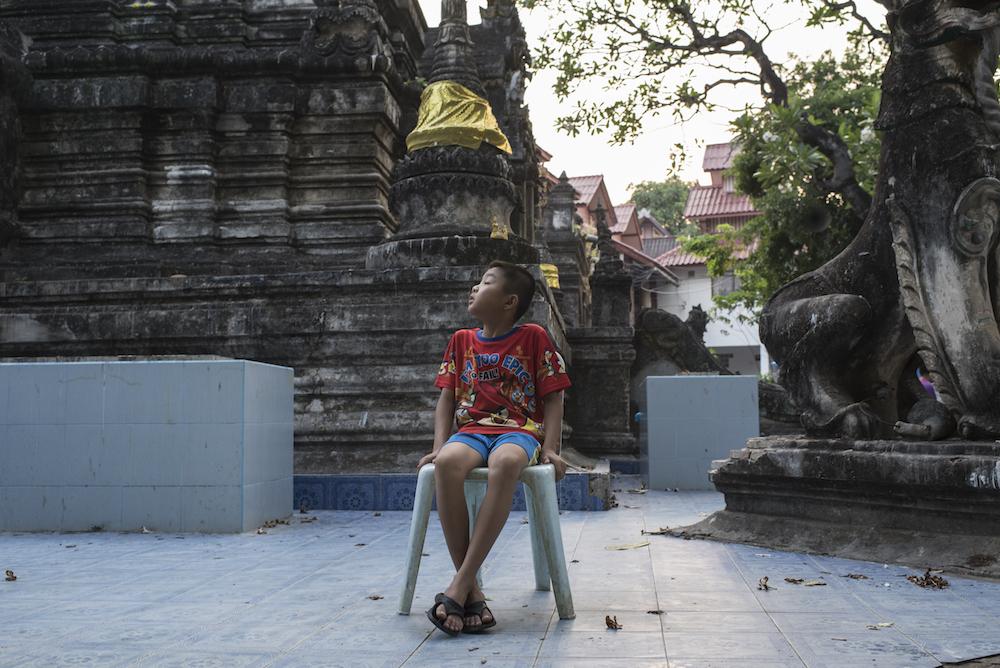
[543, 521]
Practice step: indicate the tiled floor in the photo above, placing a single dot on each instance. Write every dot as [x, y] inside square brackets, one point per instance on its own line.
[299, 596]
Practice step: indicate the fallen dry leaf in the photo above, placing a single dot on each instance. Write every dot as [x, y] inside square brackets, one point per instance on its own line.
[473, 649]
[762, 584]
[376, 514]
[575, 561]
[307, 520]
[631, 507]
[662, 531]
[641, 490]
[69, 546]
[360, 544]
[628, 546]
[928, 581]
[482, 661]
[880, 625]
[612, 622]
[794, 581]
[654, 612]
[856, 576]
[261, 531]
[813, 583]
[840, 639]
[9, 576]
[304, 507]
[376, 597]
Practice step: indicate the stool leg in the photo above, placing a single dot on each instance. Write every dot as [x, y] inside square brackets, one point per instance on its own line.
[418, 532]
[475, 492]
[538, 558]
[547, 511]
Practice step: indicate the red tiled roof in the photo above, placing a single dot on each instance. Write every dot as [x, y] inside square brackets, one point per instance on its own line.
[713, 202]
[623, 213]
[642, 258]
[677, 257]
[586, 187]
[719, 156]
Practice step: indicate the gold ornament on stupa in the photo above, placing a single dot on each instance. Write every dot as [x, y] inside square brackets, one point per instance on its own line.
[452, 115]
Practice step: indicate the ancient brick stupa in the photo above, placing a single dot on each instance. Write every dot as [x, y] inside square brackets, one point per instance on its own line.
[206, 178]
[452, 192]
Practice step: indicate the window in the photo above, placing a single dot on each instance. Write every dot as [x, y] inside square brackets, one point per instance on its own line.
[691, 273]
[723, 285]
[729, 184]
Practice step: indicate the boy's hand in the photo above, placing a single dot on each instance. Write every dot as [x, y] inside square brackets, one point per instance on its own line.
[426, 459]
[558, 462]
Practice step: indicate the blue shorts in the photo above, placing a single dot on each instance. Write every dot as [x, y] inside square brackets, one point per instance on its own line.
[485, 444]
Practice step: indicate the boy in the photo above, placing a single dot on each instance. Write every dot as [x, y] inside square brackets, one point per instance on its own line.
[507, 382]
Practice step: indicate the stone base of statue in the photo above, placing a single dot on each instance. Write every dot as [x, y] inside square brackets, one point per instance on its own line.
[923, 504]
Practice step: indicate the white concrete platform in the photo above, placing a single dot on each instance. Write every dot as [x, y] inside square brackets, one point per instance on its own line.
[170, 445]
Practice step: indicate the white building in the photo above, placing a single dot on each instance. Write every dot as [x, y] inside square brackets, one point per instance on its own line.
[736, 343]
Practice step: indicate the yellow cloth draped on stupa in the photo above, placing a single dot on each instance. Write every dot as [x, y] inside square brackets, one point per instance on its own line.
[452, 115]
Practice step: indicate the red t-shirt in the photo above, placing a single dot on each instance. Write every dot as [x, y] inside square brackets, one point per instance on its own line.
[499, 382]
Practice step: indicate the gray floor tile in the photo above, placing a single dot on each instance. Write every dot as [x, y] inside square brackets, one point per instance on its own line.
[707, 622]
[873, 648]
[299, 596]
[734, 646]
[603, 643]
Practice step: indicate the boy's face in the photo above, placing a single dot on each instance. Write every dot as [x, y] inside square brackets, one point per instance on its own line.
[489, 299]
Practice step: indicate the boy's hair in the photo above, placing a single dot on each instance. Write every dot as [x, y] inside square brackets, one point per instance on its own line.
[517, 281]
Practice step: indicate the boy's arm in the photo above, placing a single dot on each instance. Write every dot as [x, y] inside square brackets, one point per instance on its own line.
[552, 405]
[552, 419]
[444, 419]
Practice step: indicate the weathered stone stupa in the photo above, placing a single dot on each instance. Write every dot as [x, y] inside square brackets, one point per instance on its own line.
[232, 178]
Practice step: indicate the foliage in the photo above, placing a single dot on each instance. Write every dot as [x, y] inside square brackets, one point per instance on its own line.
[802, 224]
[665, 200]
[809, 146]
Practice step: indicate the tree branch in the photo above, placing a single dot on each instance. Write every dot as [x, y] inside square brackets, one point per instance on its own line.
[843, 181]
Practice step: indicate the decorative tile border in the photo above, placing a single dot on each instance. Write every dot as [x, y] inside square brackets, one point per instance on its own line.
[625, 466]
[395, 491]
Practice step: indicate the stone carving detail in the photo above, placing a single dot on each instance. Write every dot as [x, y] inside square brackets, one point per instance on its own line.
[920, 284]
[353, 31]
[664, 341]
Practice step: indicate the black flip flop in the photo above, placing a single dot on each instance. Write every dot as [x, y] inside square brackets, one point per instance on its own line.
[451, 607]
[478, 608]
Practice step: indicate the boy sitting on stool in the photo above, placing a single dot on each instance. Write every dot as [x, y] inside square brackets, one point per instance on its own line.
[507, 384]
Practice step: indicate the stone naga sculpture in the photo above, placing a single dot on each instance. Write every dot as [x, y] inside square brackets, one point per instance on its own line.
[920, 284]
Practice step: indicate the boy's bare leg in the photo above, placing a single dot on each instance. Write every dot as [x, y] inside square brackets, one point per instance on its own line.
[451, 467]
[505, 466]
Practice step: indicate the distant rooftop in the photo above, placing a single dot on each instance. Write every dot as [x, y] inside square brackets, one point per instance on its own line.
[586, 187]
[623, 213]
[715, 202]
[719, 156]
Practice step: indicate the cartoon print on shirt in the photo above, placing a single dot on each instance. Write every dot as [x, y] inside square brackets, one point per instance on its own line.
[499, 417]
[553, 363]
[447, 366]
[466, 400]
[496, 387]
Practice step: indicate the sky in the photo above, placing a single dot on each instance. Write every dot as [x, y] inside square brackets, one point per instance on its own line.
[647, 159]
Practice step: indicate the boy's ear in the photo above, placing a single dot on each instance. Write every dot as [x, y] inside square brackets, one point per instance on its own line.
[512, 304]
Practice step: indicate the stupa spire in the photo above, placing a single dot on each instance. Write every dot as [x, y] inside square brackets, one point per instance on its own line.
[453, 52]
